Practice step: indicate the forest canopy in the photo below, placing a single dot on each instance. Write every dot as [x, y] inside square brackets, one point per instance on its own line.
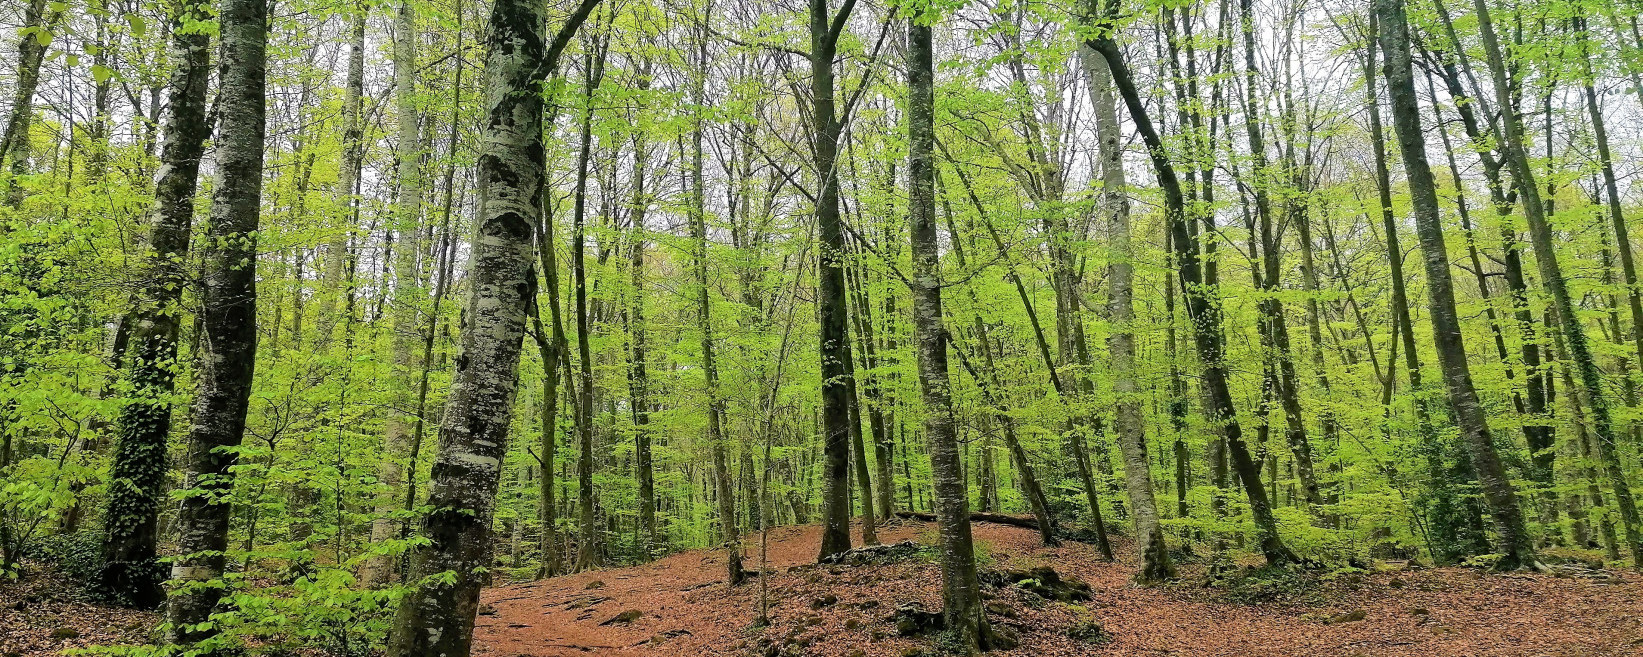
[319, 316]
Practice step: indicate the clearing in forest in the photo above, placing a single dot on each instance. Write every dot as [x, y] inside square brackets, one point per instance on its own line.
[680, 606]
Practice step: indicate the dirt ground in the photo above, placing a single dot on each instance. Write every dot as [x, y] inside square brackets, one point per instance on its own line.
[680, 607]
[685, 608]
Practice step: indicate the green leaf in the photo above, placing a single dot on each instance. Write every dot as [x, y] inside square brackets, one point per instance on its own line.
[43, 37]
[139, 25]
[101, 73]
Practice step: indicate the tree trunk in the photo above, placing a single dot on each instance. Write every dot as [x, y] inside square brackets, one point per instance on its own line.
[1202, 307]
[353, 158]
[408, 294]
[1514, 544]
[638, 374]
[435, 617]
[587, 540]
[1276, 328]
[228, 321]
[960, 589]
[137, 479]
[31, 52]
[1128, 420]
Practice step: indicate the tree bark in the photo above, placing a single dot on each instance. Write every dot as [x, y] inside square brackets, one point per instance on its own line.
[435, 617]
[1202, 307]
[137, 478]
[1514, 543]
[408, 294]
[961, 594]
[228, 321]
[729, 536]
[1128, 420]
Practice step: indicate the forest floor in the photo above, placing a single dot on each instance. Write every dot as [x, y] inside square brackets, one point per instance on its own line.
[680, 605]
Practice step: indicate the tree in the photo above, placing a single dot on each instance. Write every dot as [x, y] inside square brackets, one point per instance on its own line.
[1128, 421]
[960, 589]
[1514, 545]
[228, 320]
[827, 125]
[137, 476]
[437, 615]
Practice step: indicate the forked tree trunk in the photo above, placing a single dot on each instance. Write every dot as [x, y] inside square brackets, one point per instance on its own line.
[228, 298]
[130, 572]
[435, 617]
[834, 344]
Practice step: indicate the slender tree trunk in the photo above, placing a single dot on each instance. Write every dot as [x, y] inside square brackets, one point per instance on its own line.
[1202, 306]
[587, 551]
[353, 158]
[138, 473]
[729, 535]
[1514, 543]
[228, 297]
[408, 295]
[1276, 328]
[436, 617]
[638, 373]
[960, 590]
[987, 379]
[1129, 422]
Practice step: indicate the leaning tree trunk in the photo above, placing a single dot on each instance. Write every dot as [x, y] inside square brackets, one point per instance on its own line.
[1515, 545]
[228, 322]
[960, 589]
[987, 379]
[130, 572]
[1202, 307]
[436, 617]
[31, 53]
[1128, 420]
[1606, 446]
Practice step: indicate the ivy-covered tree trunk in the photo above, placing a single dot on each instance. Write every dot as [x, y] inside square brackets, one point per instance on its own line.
[31, 53]
[960, 588]
[436, 616]
[1128, 419]
[1514, 544]
[228, 322]
[137, 476]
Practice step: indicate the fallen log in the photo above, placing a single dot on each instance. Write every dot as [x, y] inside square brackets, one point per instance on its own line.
[976, 516]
